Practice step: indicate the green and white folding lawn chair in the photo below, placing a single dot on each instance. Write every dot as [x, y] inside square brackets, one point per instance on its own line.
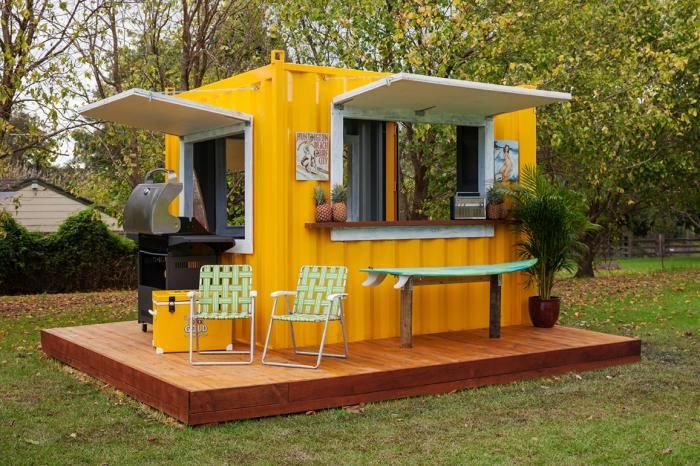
[225, 293]
[318, 299]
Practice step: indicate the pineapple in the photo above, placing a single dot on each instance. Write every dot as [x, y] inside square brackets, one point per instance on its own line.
[338, 196]
[323, 208]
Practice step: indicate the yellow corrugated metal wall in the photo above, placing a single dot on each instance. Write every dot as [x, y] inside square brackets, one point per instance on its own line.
[291, 98]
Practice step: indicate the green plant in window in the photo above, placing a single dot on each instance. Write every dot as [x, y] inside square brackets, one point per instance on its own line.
[235, 198]
[427, 160]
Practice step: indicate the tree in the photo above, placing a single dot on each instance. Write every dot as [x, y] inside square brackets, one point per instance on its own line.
[160, 45]
[624, 140]
[434, 38]
[628, 137]
[27, 144]
[36, 71]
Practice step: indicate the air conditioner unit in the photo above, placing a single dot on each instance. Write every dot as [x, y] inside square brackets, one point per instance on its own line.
[465, 206]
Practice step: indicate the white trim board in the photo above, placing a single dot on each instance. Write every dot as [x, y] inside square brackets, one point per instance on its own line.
[242, 246]
[245, 246]
[423, 95]
[486, 139]
[381, 233]
[154, 111]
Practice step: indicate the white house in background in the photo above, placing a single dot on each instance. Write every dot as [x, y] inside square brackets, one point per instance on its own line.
[42, 206]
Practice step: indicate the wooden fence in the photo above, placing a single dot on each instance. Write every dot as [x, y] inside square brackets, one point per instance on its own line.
[660, 246]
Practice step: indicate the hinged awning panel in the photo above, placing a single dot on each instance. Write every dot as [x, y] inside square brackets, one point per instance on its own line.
[154, 111]
[412, 94]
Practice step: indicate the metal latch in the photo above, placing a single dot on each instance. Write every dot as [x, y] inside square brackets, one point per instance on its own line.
[171, 304]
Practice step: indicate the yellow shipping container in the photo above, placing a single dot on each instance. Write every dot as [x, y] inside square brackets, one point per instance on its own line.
[267, 109]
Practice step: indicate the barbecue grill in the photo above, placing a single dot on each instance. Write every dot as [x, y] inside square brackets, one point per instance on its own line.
[171, 249]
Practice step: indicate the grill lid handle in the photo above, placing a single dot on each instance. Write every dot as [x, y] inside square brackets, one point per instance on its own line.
[171, 175]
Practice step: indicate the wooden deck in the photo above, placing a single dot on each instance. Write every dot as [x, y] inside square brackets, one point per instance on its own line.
[121, 355]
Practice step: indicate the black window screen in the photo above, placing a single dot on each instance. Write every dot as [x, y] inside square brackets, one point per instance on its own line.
[211, 190]
[468, 159]
[364, 161]
[204, 164]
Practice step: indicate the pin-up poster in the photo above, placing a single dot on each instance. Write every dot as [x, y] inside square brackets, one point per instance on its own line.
[506, 160]
[312, 156]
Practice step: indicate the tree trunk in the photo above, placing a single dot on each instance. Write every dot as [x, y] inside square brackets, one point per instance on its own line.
[421, 192]
[592, 241]
[585, 265]
[186, 51]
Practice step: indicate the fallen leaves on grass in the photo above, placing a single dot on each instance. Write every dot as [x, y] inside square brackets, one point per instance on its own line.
[38, 305]
[630, 288]
[355, 409]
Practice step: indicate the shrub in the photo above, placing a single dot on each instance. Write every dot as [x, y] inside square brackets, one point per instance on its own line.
[82, 255]
[21, 256]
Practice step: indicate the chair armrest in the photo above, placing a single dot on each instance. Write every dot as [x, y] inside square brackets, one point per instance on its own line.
[253, 294]
[332, 297]
[276, 294]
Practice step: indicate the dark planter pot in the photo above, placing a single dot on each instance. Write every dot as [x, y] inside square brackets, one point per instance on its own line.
[496, 211]
[544, 313]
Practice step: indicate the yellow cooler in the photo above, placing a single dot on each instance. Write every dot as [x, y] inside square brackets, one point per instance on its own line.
[171, 325]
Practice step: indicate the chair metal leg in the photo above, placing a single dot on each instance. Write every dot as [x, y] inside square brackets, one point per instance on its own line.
[319, 354]
[331, 355]
[252, 334]
[228, 363]
[190, 332]
[196, 333]
[345, 335]
[294, 340]
[267, 339]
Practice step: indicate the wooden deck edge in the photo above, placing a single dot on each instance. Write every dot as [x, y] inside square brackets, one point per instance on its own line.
[150, 391]
[430, 389]
[203, 407]
[365, 386]
[445, 373]
[225, 399]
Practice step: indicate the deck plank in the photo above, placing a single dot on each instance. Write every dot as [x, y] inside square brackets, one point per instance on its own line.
[121, 355]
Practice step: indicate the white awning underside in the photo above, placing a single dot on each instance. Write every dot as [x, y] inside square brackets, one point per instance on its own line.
[153, 111]
[409, 94]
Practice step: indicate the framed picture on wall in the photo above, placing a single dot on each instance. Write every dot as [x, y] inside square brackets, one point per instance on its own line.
[312, 156]
[506, 160]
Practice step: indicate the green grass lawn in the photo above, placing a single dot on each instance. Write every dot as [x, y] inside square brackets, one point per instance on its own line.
[636, 414]
[625, 266]
[655, 264]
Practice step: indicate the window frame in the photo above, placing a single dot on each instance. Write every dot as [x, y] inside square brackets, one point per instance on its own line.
[486, 137]
[186, 173]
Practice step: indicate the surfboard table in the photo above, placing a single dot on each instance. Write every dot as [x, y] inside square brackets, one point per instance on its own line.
[407, 278]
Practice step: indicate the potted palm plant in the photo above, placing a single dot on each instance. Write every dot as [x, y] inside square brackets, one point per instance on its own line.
[551, 220]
